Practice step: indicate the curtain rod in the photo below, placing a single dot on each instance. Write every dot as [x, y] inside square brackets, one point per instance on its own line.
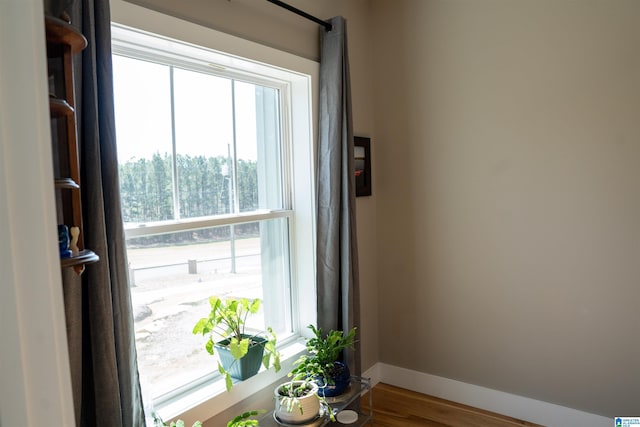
[302, 13]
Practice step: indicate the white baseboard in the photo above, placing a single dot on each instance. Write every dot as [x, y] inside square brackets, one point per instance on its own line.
[373, 373]
[523, 408]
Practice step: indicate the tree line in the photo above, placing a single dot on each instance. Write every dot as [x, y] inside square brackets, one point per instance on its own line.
[203, 189]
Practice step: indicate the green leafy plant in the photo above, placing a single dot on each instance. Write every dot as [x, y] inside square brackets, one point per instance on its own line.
[157, 422]
[291, 392]
[295, 396]
[318, 366]
[245, 420]
[225, 326]
[323, 353]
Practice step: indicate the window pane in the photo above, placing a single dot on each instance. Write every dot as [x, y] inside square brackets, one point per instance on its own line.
[143, 125]
[204, 143]
[201, 143]
[259, 148]
[172, 276]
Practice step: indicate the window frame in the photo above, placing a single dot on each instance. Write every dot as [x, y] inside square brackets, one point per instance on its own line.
[131, 44]
[301, 95]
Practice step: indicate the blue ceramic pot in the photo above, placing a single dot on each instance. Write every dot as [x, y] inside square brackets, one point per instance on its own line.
[340, 382]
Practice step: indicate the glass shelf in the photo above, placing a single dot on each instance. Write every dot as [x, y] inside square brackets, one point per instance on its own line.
[350, 399]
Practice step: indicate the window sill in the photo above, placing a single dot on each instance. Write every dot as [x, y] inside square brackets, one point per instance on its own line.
[209, 400]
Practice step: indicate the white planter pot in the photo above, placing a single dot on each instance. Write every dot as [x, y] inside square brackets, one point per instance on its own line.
[300, 410]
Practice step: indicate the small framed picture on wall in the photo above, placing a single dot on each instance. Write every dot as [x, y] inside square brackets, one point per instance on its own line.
[362, 154]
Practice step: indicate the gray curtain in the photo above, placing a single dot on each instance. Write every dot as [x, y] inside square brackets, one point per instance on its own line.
[337, 272]
[98, 305]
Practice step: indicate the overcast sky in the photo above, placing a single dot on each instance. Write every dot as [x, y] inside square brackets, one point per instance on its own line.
[203, 106]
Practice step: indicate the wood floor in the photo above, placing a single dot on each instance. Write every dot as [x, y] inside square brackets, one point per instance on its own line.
[397, 407]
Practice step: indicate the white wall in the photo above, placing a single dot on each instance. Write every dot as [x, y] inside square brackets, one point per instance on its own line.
[508, 202]
[35, 388]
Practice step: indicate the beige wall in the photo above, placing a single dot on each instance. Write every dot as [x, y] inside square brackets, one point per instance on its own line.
[266, 23]
[508, 147]
[502, 233]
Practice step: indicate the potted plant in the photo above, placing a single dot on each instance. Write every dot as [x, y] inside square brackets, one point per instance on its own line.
[297, 402]
[240, 353]
[157, 422]
[322, 364]
[245, 420]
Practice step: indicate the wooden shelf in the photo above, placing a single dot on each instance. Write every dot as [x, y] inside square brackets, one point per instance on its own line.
[84, 257]
[60, 32]
[63, 41]
[59, 108]
[67, 183]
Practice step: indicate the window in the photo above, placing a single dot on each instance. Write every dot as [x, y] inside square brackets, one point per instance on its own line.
[216, 197]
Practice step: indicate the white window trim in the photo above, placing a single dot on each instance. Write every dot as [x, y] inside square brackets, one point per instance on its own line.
[209, 401]
[171, 226]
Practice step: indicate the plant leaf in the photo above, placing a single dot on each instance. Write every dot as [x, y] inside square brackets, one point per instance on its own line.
[214, 302]
[199, 328]
[266, 359]
[240, 348]
[255, 306]
[227, 381]
[209, 346]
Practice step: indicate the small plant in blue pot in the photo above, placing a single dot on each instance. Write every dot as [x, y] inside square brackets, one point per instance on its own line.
[240, 353]
[322, 364]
